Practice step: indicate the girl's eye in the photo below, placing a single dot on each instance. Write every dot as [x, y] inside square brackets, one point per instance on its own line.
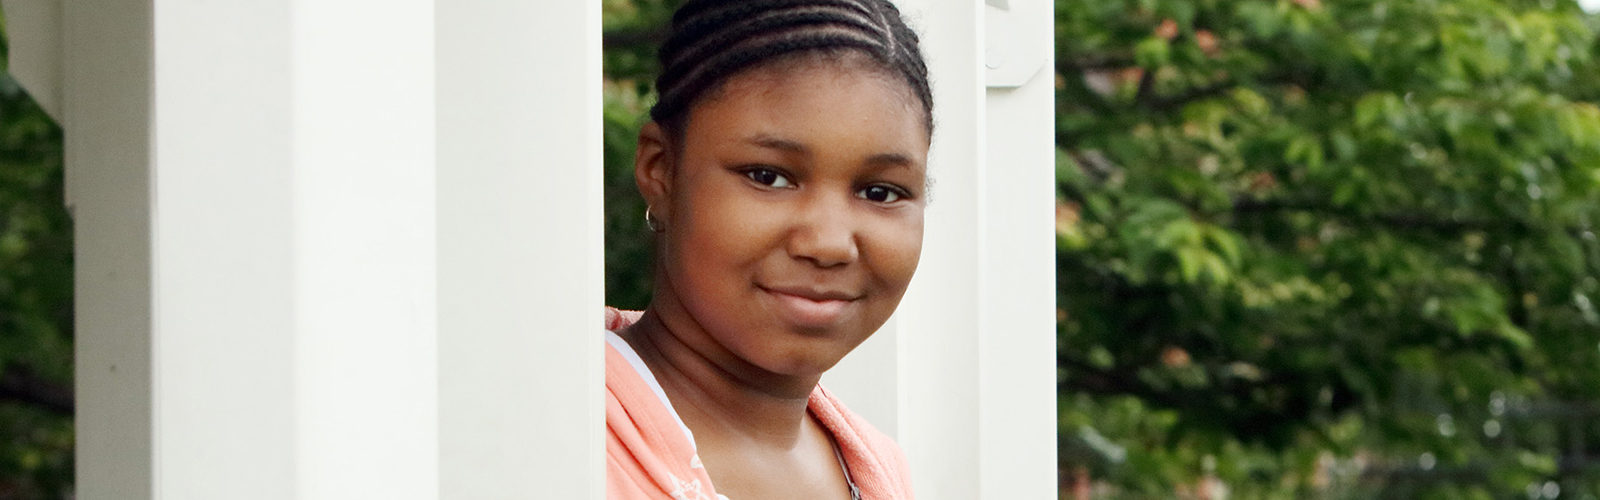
[879, 194]
[768, 178]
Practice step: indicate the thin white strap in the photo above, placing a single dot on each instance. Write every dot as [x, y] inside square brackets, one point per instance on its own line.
[855, 493]
[638, 365]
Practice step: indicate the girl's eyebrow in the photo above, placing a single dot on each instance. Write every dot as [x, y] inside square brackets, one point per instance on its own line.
[789, 146]
[890, 160]
[785, 145]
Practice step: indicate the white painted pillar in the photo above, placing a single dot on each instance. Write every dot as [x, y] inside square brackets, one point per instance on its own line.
[106, 85]
[964, 374]
[37, 66]
[220, 202]
[253, 189]
[259, 267]
[521, 250]
[366, 353]
[1017, 409]
[939, 322]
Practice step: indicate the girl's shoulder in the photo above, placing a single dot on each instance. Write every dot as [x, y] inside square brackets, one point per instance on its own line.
[876, 462]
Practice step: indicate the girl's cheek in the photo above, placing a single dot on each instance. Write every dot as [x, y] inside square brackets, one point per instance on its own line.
[896, 249]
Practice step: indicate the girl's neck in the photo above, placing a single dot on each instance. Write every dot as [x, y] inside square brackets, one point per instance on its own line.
[718, 395]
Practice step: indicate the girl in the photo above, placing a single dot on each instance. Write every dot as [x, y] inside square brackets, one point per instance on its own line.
[785, 170]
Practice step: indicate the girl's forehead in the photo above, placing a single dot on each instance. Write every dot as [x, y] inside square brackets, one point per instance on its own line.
[816, 72]
[826, 99]
[807, 82]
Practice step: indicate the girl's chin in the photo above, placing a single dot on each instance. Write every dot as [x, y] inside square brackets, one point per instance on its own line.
[797, 355]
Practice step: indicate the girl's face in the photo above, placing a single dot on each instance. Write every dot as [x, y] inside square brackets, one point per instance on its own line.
[793, 212]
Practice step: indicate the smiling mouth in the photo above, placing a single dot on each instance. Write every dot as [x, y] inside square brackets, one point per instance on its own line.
[811, 308]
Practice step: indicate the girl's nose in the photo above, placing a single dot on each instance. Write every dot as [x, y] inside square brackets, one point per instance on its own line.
[825, 233]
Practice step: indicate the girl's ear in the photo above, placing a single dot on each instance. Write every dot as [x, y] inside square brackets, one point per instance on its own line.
[653, 165]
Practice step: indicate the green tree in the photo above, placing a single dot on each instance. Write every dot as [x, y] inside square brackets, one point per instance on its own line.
[633, 29]
[1296, 234]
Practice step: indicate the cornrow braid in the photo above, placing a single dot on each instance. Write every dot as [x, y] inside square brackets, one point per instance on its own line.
[713, 40]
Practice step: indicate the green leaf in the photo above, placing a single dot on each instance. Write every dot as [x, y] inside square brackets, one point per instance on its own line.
[1152, 53]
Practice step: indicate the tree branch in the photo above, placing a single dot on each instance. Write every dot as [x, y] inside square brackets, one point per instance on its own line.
[22, 385]
[1147, 86]
[1098, 381]
[1410, 221]
[1169, 103]
[1092, 62]
[633, 37]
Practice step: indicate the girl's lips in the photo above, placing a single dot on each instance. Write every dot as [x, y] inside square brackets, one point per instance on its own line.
[810, 309]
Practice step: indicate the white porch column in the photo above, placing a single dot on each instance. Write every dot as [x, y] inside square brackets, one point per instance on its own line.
[259, 268]
[253, 190]
[363, 205]
[106, 84]
[1017, 410]
[964, 375]
[37, 66]
[521, 286]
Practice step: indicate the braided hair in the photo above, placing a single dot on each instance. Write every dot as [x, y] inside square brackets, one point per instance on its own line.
[713, 40]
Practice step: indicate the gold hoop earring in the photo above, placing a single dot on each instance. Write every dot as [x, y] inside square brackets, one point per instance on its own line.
[651, 222]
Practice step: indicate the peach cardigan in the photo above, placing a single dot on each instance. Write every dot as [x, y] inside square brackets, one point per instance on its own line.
[648, 456]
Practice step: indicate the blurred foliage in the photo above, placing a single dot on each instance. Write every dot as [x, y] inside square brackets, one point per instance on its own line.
[1298, 234]
[36, 437]
[633, 30]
